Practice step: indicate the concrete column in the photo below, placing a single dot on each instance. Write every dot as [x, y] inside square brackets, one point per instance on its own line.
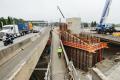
[90, 60]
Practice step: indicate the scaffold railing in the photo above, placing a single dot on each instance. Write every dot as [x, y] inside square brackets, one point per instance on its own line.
[72, 71]
[75, 42]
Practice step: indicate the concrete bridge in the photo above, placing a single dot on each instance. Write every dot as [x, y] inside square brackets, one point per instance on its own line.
[18, 61]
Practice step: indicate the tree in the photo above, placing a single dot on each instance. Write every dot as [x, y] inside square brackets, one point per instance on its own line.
[9, 20]
[15, 20]
[0, 24]
[85, 24]
[4, 21]
[93, 24]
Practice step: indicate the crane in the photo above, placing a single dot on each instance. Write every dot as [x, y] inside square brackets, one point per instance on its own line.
[102, 27]
[60, 12]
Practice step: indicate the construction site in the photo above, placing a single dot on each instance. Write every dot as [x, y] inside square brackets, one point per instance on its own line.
[64, 50]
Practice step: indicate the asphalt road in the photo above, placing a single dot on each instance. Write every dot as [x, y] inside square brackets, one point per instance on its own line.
[19, 39]
[9, 68]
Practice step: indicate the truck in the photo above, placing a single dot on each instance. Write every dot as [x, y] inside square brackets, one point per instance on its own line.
[102, 27]
[30, 27]
[23, 28]
[16, 30]
[9, 29]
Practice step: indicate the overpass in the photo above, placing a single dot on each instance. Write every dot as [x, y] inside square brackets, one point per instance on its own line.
[18, 61]
[21, 64]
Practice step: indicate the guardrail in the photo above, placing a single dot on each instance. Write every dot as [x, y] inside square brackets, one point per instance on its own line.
[71, 68]
[72, 71]
[48, 73]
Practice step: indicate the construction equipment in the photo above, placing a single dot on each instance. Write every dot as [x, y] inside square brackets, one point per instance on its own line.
[102, 27]
[60, 12]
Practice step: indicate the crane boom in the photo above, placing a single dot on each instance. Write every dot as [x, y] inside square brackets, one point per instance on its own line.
[105, 12]
[60, 11]
[102, 27]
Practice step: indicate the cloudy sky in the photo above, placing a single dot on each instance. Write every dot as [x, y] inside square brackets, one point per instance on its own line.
[87, 10]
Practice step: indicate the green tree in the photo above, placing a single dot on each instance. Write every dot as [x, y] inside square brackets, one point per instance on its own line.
[0, 24]
[9, 20]
[93, 24]
[85, 24]
[16, 21]
[4, 21]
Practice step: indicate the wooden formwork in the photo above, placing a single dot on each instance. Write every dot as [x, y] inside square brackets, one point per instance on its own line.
[63, 26]
[84, 51]
[81, 58]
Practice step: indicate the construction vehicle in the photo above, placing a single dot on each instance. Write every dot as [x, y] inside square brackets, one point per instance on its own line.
[60, 12]
[102, 27]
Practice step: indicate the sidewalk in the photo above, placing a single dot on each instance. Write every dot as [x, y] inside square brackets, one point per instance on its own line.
[58, 64]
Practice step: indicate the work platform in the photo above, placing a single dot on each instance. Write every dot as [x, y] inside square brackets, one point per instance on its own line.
[109, 38]
[58, 64]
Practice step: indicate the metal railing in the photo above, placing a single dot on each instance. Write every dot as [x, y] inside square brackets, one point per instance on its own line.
[70, 66]
[72, 71]
[48, 73]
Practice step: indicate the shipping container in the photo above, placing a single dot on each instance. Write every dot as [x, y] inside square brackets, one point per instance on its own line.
[23, 28]
[30, 26]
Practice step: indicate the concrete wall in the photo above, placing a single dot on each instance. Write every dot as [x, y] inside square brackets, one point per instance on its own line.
[74, 24]
[97, 74]
[8, 52]
[26, 70]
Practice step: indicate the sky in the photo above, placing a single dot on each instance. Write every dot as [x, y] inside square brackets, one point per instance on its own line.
[87, 10]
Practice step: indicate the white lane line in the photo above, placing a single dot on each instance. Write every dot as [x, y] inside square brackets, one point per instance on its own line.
[16, 71]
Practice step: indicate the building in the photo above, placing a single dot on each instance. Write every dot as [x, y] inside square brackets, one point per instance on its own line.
[74, 24]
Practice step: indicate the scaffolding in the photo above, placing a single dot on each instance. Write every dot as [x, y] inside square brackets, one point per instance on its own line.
[84, 50]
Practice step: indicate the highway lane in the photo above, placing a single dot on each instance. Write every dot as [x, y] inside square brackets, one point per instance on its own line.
[10, 67]
[19, 39]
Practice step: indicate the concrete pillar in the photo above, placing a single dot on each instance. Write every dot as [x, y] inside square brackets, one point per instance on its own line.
[90, 60]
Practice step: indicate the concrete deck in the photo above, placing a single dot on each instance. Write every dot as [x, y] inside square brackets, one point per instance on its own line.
[58, 64]
[21, 66]
[109, 38]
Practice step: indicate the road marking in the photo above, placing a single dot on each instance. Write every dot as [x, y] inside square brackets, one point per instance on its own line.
[20, 67]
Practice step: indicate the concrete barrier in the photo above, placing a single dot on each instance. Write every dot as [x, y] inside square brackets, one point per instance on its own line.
[8, 52]
[97, 74]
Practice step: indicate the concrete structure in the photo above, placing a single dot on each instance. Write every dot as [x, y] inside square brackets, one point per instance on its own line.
[6, 52]
[74, 24]
[108, 38]
[58, 65]
[106, 70]
[21, 65]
